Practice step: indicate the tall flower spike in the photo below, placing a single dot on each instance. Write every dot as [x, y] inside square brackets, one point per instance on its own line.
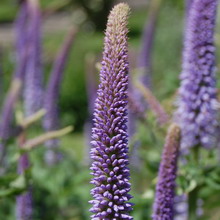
[51, 119]
[33, 89]
[109, 134]
[144, 61]
[14, 91]
[21, 25]
[32, 97]
[144, 58]
[197, 111]
[165, 189]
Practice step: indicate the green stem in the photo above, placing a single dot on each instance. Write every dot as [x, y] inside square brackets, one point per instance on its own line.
[193, 195]
[192, 202]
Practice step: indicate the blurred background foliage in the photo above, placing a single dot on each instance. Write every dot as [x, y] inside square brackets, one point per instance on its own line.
[61, 192]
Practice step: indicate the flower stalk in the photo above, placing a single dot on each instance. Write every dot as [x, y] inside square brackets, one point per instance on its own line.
[109, 150]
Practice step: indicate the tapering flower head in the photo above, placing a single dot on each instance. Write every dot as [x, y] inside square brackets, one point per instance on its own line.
[109, 135]
[165, 189]
[198, 104]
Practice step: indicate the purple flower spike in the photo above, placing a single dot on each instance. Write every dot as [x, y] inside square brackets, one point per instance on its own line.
[51, 119]
[144, 59]
[21, 27]
[165, 189]
[14, 91]
[33, 89]
[109, 134]
[53, 88]
[198, 106]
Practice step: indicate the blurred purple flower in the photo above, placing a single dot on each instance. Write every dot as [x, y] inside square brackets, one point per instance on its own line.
[21, 32]
[198, 106]
[109, 135]
[33, 88]
[51, 119]
[14, 91]
[165, 189]
[144, 61]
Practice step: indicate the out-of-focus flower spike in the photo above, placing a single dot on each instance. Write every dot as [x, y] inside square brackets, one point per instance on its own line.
[109, 135]
[144, 61]
[33, 94]
[197, 104]
[33, 88]
[165, 190]
[14, 91]
[51, 119]
[21, 28]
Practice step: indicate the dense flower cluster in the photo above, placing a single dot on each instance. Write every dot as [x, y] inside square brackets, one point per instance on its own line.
[109, 135]
[165, 189]
[197, 112]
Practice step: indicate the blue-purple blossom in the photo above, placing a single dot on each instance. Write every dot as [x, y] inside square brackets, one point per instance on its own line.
[51, 119]
[163, 208]
[33, 88]
[32, 95]
[109, 134]
[21, 32]
[197, 111]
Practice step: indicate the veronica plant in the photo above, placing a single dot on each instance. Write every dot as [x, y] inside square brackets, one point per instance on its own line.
[109, 134]
[165, 190]
[32, 98]
[197, 110]
[14, 91]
